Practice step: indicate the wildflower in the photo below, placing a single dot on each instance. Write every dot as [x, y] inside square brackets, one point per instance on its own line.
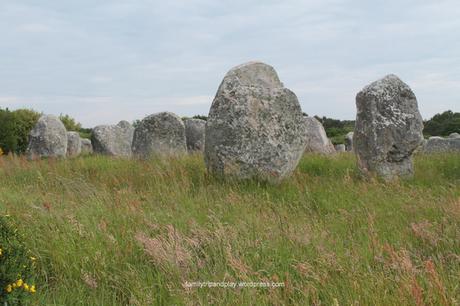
[32, 289]
[33, 258]
[8, 288]
[26, 287]
[19, 282]
[1, 252]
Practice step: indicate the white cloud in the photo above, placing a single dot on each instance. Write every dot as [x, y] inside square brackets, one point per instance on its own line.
[34, 28]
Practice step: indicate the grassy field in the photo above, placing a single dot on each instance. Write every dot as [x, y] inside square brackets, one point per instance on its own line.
[124, 232]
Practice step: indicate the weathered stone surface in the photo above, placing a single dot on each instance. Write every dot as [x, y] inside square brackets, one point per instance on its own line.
[349, 141]
[73, 144]
[194, 134]
[48, 138]
[159, 134]
[388, 128]
[255, 127]
[86, 146]
[317, 141]
[340, 148]
[113, 140]
[454, 135]
[440, 145]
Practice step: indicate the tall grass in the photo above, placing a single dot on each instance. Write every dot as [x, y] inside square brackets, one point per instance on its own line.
[126, 232]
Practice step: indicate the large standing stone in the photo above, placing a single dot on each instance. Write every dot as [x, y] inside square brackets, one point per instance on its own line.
[388, 128]
[73, 144]
[349, 141]
[48, 138]
[437, 144]
[255, 126]
[114, 140]
[317, 141]
[159, 134]
[86, 146]
[194, 133]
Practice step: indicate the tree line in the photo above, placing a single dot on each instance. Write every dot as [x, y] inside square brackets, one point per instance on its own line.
[16, 125]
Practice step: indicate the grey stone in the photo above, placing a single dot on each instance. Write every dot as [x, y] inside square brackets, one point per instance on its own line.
[349, 141]
[340, 148]
[159, 134]
[194, 134]
[86, 146]
[255, 127]
[454, 135]
[388, 128]
[317, 141]
[113, 140]
[441, 145]
[73, 144]
[48, 138]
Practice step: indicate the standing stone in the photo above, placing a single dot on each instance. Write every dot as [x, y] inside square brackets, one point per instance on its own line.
[162, 134]
[73, 144]
[113, 140]
[255, 127]
[340, 148]
[349, 141]
[437, 144]
[388, 128]
[48, 138]
[454, 135]
[86, 146]
[194, 134]
[317, 141]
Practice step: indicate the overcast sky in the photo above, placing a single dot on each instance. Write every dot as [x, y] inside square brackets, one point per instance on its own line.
[104, 61]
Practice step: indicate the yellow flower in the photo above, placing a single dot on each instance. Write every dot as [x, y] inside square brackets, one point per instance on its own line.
[33, 258]
[1, 252]
[26, 287]
[19, 282]
[9, 288]
[32, 289]
[14, 285]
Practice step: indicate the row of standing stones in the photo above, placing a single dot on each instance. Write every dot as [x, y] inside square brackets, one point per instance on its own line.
[256, 129]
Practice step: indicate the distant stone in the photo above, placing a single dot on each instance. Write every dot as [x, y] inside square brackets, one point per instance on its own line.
[441, 145]
[113, 140]
[73, 144]
[159, 134]
[454, 135]
[349, 141]
[340, 148]
[86, 146]
[317, 141]
[194, 134]
[48, 138]
[255, 127]
[388, 128]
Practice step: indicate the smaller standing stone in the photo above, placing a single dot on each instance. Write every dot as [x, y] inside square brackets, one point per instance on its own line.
[86, 146]
[388, 128]
[48, 138]
[349, 141]
[317, 141]
[438, 144]
[454, 135]
[113, 140]
[340, 148]
[73, 144]
[195, 134]
[161, 133]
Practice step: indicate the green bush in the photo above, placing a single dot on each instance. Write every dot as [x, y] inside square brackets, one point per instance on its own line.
[17, 266]
[15, 127]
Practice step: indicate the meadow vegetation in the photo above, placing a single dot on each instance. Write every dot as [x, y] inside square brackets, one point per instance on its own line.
[126, 232]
